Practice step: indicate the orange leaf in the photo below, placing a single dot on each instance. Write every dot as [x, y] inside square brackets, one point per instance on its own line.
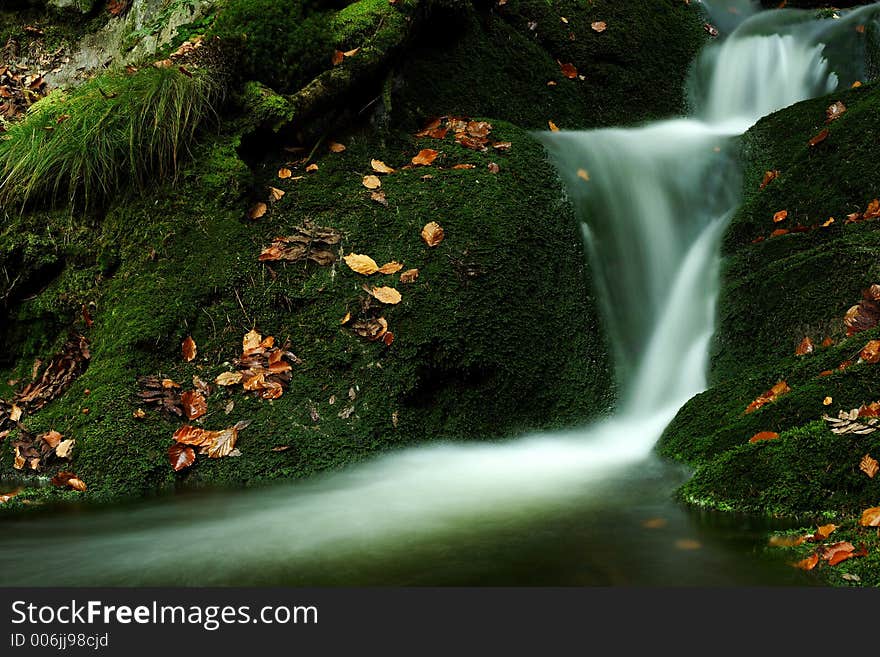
[433, 233]
[763, 435]
[599, 26]
[180, 456]
[276, 194]
[194, 404]
[390, 268]
[583, 174]
[824, 531]
[386, 295]
[768, 396]
[425, 157]
[782, 215]
[786, 541]
[779, 232]
[388, 338]
[69, 480]
[337, 57]
[873, 211]
[807, 564]
[870, 517]
[311, 168]
[837, 552]
[818, 139]
[552, 126]
[804, 348]
[336, 147]
[568, 70]
[257, 210]
[380, 167]
[834, 112]
[870, 353]
[189, 349]
[769, 177]
[869, 465]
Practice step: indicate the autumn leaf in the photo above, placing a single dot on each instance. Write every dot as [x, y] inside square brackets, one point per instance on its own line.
[819, 138]
[228, 379]
[409, 276]
[807, 564]
[386, 295]
[568, 70]
[768, 396]
[180, 456]
[189, 349]
[823, 532]
[870, 353]
[362, 264]
[5, 497]
[336, 147]
[257, 210]
[552, 126]
[371, 182]
[390, 267]
[763, 435]
[834, 112]
[433, 234]
[869, 465]
[312, 168]
[599, 26]
[69, 480]
[388, 338]
[870, 517]
[65, 448]
[284, 173]
[782, 215]
[688, 544]
[827, 401]
[425, 157]
[786, 541]
[276, 194]
[583, 175]
[769, 177]
[380, 167]
[379, 197]
[371, 329]
[194, 404]
[873, 211]
[805, 347]
[837, 552]
[337, 57]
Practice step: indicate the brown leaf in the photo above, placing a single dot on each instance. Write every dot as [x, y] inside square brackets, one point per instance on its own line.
[380, 167]
[390, 267]
[371, 329]
[228, 379]
[837, 552]
[386, 295]
[425, 157]
[371, 182]
[769, 177]
[409, 276]
[834, 112]
[823, 532]
[869, 465]
[568, 70]
[764, 435]
[189, 349]
[180, 456]
[194, 404]
[312, 168]
[870, 517]
[337, 57]
[768, 396]
[805, 347]
[388, 338]
[5, 497]
[433, 234]
[362, 264]
[336, 147]
[493, 167]
[819, 138]
[807, 564]
[69, 480]
[870, 353]
[257, 210]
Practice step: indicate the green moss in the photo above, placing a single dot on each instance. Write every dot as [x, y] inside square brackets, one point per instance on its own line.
[461, 365]
[495, 63]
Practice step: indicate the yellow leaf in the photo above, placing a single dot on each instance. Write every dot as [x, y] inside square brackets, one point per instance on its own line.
[275, 194]
[228, 379]
[584, 175]
[827, 401]
[251, 341]
[380, 167]
[311, 168]
[336, 147]
[433, 233]
[386, 295]
[372, 182]
[284, 173]
[552, 126]
[257, 210]
[362, 264]
[390, 268]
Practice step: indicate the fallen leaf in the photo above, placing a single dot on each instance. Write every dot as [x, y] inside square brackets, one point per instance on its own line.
[764, 435]
[768, 396]
[433, 234]
[362, 264]
[380, 167]
[15, 413]
[228, 379]
[139, 414]
[5, 497]
[276, 194]
[568, 70]
[371, 182]
[388, 338]
[823, 532]
[818, 139]
[281, 448]
[805, 347]
[782, 215]
[425, 157]
[458, 167]
[251, 341]
[284, 173]
[599, 26]
[655, 523]
[390, 267]
[379, 197]
[552, 126]
[69, 480]
[870, 517]
[181, 456]
[371, 329]
[65, 448]
[312, 168]
[493, 167]
[583, 175]
[189, 349]
[873, 211]
[834, 112]
[336, 147]
[351, 53]
[837, 552]
[769, 177]
[337, 57]
[807, 564]
[409, 276]
[869, 465]
[786, 541]
[257, 210]
[386, 295]
[194, 404]
[870, 353]
[827, 401]
[346, 319]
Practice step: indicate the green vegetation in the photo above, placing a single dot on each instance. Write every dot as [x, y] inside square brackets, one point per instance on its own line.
[115, 130]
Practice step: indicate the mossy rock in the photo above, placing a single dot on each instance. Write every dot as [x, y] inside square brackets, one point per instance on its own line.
[508, 282]
[775, 293]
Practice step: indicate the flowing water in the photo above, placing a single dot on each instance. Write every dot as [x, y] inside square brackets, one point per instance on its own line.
[562, 508]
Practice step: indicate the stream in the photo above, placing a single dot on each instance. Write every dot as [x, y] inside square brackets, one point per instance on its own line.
[587, 506]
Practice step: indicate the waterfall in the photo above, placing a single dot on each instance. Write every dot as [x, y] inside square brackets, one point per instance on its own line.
[654, 201]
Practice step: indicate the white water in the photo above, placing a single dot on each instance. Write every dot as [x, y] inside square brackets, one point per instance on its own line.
[654, 209]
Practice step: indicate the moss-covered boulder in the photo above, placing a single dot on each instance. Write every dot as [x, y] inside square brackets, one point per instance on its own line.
[779, 289]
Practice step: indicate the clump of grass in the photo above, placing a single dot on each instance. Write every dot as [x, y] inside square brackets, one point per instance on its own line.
[114, 131]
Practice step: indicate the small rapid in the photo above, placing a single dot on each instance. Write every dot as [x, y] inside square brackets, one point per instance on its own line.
[654, 201]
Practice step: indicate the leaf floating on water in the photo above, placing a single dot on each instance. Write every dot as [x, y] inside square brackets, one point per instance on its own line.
[869, 466]
[552, 126]
[688, 544]
[362, 264]
[180, 456]
[583, 175]
[655, 523]
[433, 234]
[189, 349]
